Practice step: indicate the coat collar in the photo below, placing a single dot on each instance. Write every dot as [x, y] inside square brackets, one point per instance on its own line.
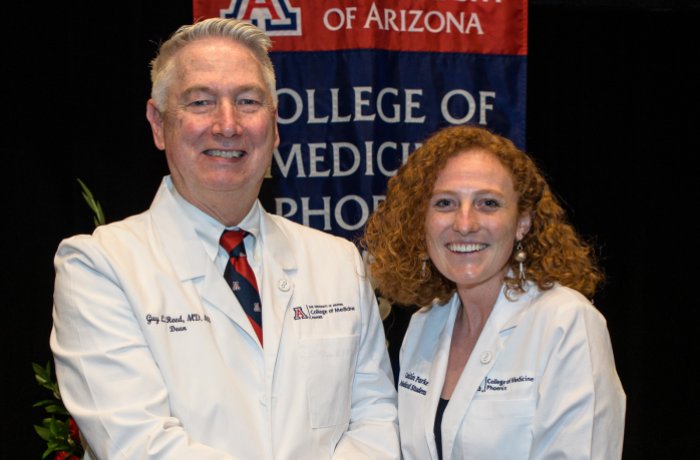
[190, 262]
[177, 236]
[181, 243]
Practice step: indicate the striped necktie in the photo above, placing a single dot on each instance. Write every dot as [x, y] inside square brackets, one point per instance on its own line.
[241, 279]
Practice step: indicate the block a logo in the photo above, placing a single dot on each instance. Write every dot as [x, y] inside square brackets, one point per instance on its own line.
[299, 313]
[275, 17]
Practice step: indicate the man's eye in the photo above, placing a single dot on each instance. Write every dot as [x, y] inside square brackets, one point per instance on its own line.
[199, 105]
[247, 104]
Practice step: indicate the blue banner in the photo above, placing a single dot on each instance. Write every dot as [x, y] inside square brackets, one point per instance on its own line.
[361, 84]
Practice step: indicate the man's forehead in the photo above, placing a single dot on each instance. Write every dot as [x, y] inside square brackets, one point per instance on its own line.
[214, 50]
[218, 68]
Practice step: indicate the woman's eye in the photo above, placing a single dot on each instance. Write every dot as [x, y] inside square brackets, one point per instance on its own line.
[490, 203]
[442, 203]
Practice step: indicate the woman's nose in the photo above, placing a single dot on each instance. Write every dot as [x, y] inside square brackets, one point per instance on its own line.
[465, 220]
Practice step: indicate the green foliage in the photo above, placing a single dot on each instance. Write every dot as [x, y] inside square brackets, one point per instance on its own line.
[99, 216]
[58, 429]
[45, 379]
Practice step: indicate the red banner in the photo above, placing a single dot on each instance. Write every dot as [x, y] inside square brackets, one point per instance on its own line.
[463, 26]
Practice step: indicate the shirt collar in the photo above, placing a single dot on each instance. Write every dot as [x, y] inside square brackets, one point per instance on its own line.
[209, 229]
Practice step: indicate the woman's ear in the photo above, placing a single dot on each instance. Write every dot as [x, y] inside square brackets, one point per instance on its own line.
[523, 226]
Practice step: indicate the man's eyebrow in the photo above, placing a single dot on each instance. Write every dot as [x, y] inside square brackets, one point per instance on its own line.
[254, 88]
[195, 89]
[261, 90]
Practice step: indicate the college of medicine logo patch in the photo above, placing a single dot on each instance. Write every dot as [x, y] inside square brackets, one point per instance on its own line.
[299, 313]
[275, 17]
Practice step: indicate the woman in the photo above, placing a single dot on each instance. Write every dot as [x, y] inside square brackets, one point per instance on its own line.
[511, 361]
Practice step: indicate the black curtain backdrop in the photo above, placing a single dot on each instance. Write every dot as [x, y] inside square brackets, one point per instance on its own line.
[612, 116]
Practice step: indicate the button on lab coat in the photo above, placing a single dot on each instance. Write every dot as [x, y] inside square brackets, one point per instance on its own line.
[156, 359]
[539, 384]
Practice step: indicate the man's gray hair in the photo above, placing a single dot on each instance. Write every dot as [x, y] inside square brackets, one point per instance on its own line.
[242, 32]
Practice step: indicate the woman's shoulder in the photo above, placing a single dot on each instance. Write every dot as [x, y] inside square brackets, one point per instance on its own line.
[565, 306]
[429, 322]
[435, 312]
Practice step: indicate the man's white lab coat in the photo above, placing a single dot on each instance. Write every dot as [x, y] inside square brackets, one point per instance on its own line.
[156, 359]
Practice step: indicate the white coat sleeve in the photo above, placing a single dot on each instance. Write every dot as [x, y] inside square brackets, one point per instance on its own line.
[108, 379]
[373, 430]
[581, 404]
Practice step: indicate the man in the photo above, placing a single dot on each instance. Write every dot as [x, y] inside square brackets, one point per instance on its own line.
[155, 356]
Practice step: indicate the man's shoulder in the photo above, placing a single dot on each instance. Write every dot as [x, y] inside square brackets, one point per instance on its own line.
[130, 231]
[131, 226]
[295, 230]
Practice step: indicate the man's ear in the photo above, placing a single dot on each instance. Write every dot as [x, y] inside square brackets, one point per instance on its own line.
[277, 133]
[156, 120]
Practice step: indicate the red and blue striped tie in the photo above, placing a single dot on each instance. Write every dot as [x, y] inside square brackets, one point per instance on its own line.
[241, 279]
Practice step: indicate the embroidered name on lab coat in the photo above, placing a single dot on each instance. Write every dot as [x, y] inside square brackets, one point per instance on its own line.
[414, 382]
[503, 384]
[175, 323]
[319, 311]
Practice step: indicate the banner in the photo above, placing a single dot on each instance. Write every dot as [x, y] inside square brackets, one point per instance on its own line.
[362, 83]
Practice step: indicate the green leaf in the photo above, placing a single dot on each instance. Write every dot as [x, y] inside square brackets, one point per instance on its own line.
[99, 216]
[57, 409]
[47, 452]
[44, 377]
[37, 369]
[53, 427]
[45, 402]
[59, 445]
[43, 432]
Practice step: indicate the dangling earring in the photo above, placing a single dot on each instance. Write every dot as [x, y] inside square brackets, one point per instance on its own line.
[520, 257]
[424, 268]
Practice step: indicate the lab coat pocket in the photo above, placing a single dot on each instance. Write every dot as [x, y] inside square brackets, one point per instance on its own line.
[329, 367]
[492, 424]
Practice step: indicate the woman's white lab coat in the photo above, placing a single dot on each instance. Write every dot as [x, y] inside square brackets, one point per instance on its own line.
[540, 384]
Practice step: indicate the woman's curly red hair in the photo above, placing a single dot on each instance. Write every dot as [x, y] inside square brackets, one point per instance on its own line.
[395, 233]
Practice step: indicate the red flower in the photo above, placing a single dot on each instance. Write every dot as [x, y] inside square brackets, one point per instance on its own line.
[63, 455]
[74, 430]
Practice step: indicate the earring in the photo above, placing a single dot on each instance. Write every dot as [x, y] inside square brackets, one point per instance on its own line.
[520, 257]
[424, 268]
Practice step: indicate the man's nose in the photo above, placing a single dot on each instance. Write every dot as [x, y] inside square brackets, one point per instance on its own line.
[226, 122]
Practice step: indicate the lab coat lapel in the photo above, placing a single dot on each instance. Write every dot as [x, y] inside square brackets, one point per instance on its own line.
[214, 290]
[504, 316]
[279, 272]
[439, 356]
[189, 261]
